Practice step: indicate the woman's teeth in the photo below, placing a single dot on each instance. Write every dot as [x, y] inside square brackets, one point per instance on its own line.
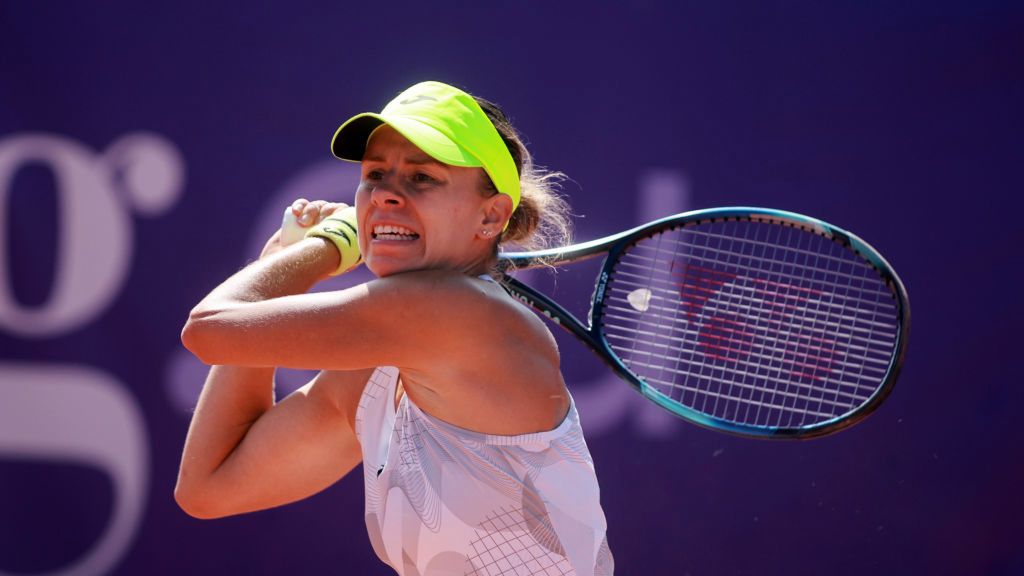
[393, 233]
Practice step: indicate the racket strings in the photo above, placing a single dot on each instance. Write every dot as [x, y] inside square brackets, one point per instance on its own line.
[793, 389]
[815, 362]
[783, 316]
[718, 255]
[768, 245]
[751, 322]
[697, 285]
[776, 327]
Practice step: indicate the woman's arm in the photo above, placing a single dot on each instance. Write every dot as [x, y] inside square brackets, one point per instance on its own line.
[261, 317]
[244, 453]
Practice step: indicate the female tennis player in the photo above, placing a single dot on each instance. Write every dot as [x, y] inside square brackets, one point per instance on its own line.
[440, 383]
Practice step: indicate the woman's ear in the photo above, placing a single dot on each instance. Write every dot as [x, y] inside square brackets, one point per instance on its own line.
[497, 211]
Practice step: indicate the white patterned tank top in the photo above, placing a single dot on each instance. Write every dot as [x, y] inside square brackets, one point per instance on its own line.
[442, 500]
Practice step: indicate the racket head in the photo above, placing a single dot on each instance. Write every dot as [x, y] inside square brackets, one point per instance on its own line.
[753, 321]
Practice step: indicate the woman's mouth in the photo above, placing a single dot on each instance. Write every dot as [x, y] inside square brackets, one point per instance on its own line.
[393, 233]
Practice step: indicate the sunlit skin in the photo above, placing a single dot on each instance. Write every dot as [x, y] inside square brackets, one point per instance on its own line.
[467, 352]
[444, 205]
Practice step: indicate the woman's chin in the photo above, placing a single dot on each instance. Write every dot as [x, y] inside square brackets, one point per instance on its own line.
[383, 267]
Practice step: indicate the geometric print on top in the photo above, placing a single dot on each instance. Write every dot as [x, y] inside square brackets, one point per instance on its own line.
[442, 500]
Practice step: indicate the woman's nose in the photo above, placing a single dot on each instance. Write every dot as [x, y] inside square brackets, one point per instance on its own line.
[383, 194]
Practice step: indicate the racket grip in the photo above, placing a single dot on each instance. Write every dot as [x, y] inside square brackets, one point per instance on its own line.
[291, 231]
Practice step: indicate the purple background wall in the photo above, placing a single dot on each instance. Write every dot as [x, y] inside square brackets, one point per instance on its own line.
[146, 151]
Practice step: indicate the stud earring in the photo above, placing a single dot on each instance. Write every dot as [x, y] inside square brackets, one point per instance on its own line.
[486, 232]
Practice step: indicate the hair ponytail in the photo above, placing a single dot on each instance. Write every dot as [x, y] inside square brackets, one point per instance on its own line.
[542, 219]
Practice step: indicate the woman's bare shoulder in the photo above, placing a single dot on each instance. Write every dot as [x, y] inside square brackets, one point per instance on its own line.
[454, 294]
[468, 295]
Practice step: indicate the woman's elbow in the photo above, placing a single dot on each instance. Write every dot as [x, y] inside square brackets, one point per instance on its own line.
[197, 506]
[190, 505]
[191, 338]
[198, 338]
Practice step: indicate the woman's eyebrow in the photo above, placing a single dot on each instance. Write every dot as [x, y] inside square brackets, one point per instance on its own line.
[424, 159]
[416, 159]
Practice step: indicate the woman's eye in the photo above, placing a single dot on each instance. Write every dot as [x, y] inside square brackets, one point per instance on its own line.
[421, 178]
[374, 175]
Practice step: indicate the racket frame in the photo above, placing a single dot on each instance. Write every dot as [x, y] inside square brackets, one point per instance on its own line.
[613, 246]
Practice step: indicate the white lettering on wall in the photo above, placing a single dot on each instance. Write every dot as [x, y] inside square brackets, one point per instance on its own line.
[78, 414]
[95, 233]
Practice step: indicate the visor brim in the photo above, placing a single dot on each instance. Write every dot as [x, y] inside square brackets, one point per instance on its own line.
[352, 137]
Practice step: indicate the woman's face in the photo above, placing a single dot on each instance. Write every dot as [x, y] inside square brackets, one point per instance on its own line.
[417, 213]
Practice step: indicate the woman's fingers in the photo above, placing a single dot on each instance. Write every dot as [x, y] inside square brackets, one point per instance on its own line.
[330, 208]
[310, 213]
[307, 212]
[298, 218]
[298, 206]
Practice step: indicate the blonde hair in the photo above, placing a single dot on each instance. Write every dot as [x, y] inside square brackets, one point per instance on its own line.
[542, 219]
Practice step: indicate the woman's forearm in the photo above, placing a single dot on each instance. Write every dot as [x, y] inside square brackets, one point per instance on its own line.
[291, 271]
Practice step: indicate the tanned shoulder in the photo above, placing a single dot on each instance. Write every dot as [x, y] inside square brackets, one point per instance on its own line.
[446, 307]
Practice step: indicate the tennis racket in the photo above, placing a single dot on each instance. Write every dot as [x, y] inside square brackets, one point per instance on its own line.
[751, 321]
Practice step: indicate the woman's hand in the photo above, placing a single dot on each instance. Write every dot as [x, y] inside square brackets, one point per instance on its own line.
[307, 214]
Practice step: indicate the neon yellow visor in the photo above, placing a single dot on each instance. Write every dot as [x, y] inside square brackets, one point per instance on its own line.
[444, 122]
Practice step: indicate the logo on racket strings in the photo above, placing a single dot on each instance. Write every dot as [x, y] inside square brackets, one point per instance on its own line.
[746, 320]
